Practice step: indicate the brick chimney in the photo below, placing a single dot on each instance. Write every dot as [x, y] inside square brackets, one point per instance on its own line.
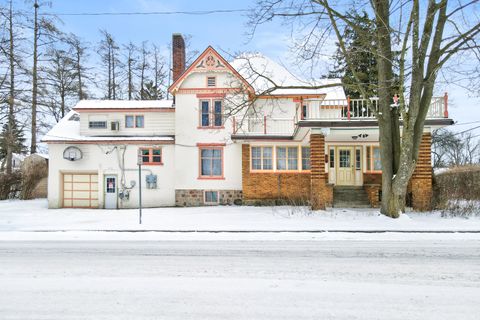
[178, 56]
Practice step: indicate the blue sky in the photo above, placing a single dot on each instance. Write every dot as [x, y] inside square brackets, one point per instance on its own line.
[223, 31]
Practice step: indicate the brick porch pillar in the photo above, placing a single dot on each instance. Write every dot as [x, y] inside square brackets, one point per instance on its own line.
[318, 190]
[422, 176]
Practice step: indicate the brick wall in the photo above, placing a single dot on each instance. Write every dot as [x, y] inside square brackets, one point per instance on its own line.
[321, 195]
[421, 182]
[265, 188]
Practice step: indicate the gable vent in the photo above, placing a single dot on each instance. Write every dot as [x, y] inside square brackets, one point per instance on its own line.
[211, 81]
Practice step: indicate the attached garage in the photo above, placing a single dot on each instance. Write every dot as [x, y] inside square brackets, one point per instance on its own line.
[80, 190]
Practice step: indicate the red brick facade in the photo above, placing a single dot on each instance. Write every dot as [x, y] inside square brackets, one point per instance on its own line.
[313, 186]
[260, 186]
[321, 195]
[421, 182]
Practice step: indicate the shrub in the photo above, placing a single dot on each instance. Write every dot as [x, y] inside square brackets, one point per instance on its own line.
[10, 185]
[457, 191]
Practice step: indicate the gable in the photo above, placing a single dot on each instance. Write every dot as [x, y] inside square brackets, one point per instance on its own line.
[209, 61]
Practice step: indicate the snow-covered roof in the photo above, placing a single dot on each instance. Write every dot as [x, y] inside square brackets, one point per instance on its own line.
[68, 129]
[123, 104]
[263, 73]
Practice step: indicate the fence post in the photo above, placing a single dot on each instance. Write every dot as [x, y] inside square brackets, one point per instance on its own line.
[348, 107]
[445, 105]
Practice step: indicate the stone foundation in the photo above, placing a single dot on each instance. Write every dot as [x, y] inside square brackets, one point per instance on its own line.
[195, 197]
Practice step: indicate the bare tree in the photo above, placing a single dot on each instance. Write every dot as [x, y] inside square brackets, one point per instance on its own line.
[80, 55]
[131, 57]
[143, 67]
[428, 40]
[61, 80]
[108, 51]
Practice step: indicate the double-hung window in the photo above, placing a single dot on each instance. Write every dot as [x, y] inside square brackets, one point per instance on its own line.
[211, 113]
[287, 158]
[151, 156]
[306, 158]
[374, 162]
[262, 158]
[134, 121]
[211, 162]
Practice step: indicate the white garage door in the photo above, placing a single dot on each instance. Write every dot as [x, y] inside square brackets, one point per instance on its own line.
[80, 190]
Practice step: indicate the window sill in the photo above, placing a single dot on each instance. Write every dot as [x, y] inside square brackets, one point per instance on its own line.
[210, 178]
[211, 127]
[153, 164]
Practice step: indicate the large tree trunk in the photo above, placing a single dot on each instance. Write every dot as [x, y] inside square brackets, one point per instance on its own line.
[33, 144]
[393, 199]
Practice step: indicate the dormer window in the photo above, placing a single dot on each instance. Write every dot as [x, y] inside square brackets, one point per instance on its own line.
[134, 121]
[211, 81]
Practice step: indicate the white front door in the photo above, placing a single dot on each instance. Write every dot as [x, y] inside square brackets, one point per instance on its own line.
[110, 192]
[345, 166]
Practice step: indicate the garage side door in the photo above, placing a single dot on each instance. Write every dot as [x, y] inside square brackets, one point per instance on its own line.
[80, 191]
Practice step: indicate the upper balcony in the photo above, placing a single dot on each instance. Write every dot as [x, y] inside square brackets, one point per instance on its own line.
[324, 113]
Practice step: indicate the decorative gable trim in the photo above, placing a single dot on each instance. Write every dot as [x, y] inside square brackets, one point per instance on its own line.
[209, 60]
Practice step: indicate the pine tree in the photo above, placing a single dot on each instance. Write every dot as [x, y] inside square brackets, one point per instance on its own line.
[18, 141]
[359, 43]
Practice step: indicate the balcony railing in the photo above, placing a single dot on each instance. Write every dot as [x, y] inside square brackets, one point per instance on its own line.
[319, 110]
[360, 109]
[264, 126]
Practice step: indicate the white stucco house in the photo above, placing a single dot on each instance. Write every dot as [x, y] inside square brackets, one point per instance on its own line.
[226, 137]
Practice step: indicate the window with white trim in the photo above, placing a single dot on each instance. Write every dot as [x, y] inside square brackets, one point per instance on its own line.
[210, 197]
[287, 158]
[262, 158]
[97, 124]
[306, 158]
[134, 121]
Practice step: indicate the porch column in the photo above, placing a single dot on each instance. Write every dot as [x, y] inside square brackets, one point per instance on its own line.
[318, 188]
[422, 176]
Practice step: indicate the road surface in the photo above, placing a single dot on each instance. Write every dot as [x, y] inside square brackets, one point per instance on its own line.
[423, 279]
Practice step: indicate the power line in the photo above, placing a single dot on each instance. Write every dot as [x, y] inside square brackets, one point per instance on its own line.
[199, 12]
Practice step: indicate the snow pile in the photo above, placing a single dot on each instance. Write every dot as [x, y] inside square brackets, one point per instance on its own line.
[34, 215]
[263, 73]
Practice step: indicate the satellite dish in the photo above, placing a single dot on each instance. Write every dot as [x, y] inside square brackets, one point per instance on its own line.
[72, 154]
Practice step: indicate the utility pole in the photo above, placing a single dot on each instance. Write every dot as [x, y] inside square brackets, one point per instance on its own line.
[139, 162]
[33, 145]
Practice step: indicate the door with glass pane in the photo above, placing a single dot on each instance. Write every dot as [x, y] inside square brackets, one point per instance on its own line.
[110, 192]
[345, 166]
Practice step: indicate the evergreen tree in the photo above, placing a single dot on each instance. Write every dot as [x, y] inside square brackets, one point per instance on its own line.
[150, 92]
[360, 43]
[18, 141]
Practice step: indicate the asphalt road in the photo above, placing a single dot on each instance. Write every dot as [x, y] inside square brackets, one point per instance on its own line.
[421, 279]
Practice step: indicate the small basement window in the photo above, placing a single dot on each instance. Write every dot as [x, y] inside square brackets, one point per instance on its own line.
[210, 197]
[211, 81]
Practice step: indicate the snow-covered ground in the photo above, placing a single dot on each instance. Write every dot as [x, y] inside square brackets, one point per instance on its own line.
[101, 280]
[29, 220]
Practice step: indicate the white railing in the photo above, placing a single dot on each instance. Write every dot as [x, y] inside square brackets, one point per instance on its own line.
[263, 126]
[361, 109]
[338, 109]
